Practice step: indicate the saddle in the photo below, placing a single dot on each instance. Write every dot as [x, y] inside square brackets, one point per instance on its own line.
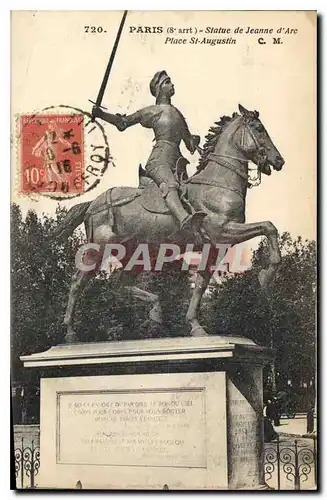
[151, 196]
[152, 200]
[149, 193]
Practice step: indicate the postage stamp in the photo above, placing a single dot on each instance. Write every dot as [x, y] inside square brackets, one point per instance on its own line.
[52, 153]
[62, 152]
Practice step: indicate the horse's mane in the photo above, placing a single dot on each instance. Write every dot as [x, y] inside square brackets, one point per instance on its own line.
[212, 138]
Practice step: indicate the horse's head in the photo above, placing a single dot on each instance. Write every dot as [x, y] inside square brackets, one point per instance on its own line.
[256, 144]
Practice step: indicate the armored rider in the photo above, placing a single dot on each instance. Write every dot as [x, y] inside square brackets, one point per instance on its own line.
[170, 128]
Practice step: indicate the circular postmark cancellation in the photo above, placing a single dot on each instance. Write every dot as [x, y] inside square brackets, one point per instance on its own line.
[62, 152]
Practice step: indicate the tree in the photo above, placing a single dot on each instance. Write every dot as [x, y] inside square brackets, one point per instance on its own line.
[40, 276]
[174, 289]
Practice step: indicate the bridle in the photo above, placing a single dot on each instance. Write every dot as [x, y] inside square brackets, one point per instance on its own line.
[256, 181]
[220, 159]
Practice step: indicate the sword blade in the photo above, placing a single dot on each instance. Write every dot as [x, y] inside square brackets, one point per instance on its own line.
[110, 63]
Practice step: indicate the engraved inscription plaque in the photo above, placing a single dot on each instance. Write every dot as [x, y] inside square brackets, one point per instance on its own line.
[159, 428]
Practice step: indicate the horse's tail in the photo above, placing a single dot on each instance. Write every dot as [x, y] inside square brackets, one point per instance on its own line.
[73, 219]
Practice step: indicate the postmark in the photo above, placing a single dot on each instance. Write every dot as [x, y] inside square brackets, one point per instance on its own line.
[62, 152]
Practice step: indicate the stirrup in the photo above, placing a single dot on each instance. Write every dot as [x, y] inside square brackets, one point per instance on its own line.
[186, 224]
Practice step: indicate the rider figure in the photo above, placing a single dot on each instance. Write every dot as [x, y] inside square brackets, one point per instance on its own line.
[170, 128]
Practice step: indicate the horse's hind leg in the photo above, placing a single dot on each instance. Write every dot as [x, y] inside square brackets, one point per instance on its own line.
[79, 280]
[201, 283]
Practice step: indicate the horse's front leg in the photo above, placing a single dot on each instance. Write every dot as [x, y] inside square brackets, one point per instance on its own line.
[201, 284]
[78, 282]
[236, 232]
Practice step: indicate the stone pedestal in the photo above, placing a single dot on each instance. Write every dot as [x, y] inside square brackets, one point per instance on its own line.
[183, 413]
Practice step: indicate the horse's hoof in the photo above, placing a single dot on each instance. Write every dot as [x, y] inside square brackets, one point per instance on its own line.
[70, 338]
[151, 328]
[198, 331]
[155, 315]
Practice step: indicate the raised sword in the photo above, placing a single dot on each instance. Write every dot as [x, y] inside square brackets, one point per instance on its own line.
[99, 98]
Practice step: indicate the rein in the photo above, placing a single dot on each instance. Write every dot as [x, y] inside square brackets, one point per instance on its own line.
[213, 183]
[213, 157]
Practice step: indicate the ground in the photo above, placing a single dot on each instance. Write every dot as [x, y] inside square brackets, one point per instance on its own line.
[296, 426]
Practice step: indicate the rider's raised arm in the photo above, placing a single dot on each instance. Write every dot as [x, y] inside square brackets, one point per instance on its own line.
[122, 122]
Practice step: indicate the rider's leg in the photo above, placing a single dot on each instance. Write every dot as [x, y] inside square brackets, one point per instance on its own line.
[165, 179]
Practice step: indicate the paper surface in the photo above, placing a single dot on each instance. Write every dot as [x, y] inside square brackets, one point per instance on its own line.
[263, 60]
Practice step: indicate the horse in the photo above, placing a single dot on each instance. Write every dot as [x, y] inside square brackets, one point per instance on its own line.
[218, 188]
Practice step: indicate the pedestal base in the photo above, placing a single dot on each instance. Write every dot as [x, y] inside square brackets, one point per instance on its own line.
[178, 414]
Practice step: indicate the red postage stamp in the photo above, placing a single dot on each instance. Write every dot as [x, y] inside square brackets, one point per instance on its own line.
[52, 153]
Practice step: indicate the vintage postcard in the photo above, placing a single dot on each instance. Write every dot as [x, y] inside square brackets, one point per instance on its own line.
[163, 222]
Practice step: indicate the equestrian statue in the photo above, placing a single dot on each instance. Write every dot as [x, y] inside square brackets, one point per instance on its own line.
[168, 205]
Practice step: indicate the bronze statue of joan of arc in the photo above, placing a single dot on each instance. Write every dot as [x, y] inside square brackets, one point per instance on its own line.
[170, 128]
